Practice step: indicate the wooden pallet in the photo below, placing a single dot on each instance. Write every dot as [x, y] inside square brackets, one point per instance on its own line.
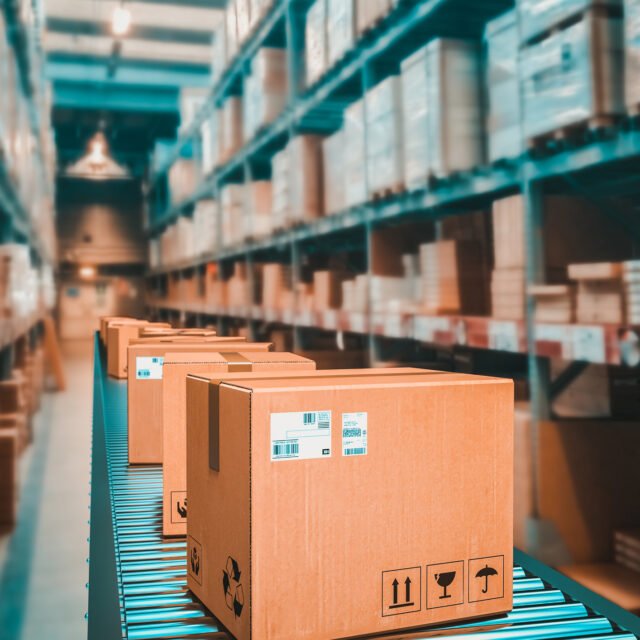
[388, 192]
[589, 130]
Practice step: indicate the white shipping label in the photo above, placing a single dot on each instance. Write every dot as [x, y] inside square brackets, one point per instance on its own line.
[149, 368]
[300, 435]
[354, 434]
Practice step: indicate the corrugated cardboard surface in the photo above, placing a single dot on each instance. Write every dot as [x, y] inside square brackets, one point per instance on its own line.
[119, 335]
[318, 543]
[144, 397]
[174, 429]
[104, 323]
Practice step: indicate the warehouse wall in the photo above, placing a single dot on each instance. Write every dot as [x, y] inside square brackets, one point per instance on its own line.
[100, 226]
[100, 222]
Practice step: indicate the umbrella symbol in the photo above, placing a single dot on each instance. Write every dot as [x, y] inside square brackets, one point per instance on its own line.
[485, 573]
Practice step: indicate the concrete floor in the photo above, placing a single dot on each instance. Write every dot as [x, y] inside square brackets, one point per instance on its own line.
[43, 563]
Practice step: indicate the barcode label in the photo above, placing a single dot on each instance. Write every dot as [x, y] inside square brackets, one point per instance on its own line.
[354, 434]
[300, 435]
[285, 449]
[149, 368]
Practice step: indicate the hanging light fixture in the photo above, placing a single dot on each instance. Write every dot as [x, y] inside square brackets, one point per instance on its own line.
[121, 20]
[97, 164]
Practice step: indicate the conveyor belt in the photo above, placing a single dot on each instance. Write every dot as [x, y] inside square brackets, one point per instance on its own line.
[152, 595]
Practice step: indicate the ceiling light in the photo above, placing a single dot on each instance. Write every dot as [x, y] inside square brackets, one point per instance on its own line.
[87, 272]
[97, 163]
[121, 20]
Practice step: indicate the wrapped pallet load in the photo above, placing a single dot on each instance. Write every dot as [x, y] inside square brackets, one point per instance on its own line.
[503, 122]
[354, 143]
[333, 151]
[573, 77]
[341, 25]
[385, 157]
[316, 42]
[443, 110]
[539, 17]
[632, 54]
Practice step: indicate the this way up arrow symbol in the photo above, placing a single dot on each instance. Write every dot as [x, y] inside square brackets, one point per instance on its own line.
[395, 591]
[407, 585]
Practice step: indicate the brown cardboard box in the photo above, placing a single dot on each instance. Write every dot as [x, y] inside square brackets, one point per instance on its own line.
[119, 335]
[160, 332]
[104, 324]
[144, 390]
[174, 414]
[332, 543]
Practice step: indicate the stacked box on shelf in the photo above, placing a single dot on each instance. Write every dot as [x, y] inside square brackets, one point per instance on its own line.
[573, 77]
[191, 101]
[537, 18]
[385, 156]
[390, 293]
[19, 295]
[219, 50]
[503, 90]
[327, 289]
[370, 12]
[450, 277]
[210, 142]
[305, 178]
[626, 548]
[230, 128]
[232, 203]
[316, 42]
[183, 178]
[631, 280]
[281, 194]
[508, 289]
[237, 294]
[600, 297]
[265, 89]
[214, 288]
[259, 199]
[276, 286]
[554, 303]
[355, 294]
[333, 173]
[354, 145]
[155, 253]
[243, 19]
[231, 29]
[443, 110]
[632, 54]
[341, 29]
[205, 226]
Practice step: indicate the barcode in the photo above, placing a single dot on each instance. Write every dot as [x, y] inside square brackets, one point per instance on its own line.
[324, 421]
[309, 418]
[286, 449]
[144, 373]
[356, 451]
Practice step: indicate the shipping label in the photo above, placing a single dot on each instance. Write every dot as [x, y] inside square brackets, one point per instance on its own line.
[300, 435]
[149, 368]
[354, 434]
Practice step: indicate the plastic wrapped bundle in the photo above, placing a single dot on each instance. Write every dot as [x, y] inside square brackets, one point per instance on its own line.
[316, 41]
[539, 16]
[354, 175]
[573, 76]
[505, 138]
[385, 158]
[281, 189]
[340, 28]
[232, 211]
[210, 143]
[230, 129]
[305, 178]
[231, 21]
[333, 150]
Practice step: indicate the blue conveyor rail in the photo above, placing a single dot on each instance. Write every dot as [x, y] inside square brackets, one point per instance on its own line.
[146, 597]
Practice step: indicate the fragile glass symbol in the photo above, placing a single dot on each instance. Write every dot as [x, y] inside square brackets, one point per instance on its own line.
[407, 594]
[444, 580]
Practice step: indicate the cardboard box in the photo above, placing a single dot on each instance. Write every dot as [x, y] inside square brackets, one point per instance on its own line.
[144, 390]
[104, 323]
[9, 439]
[119, 335]
[174, 415]
[339, 519]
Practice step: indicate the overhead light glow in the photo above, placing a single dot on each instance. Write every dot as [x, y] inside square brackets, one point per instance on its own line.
[121, 21]
[87, 272]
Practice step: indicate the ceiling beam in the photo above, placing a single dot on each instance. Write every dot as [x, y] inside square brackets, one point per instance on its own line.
[130, 48]
[87, 69]
[136, 32]
[169, 16]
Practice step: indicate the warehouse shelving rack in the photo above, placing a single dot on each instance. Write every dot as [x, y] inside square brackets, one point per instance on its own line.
[15, 223]
[606, 165]
[137, 578]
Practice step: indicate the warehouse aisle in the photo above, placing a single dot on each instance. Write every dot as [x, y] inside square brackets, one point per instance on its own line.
[43, 568]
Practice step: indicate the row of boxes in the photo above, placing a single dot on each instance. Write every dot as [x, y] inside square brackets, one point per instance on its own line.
[244, 433]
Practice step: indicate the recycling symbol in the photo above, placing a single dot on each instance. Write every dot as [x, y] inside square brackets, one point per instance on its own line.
[233, 593]
[195, 561]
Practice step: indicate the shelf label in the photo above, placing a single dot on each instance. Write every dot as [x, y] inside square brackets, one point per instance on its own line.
[503, 336]
[588, 344]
